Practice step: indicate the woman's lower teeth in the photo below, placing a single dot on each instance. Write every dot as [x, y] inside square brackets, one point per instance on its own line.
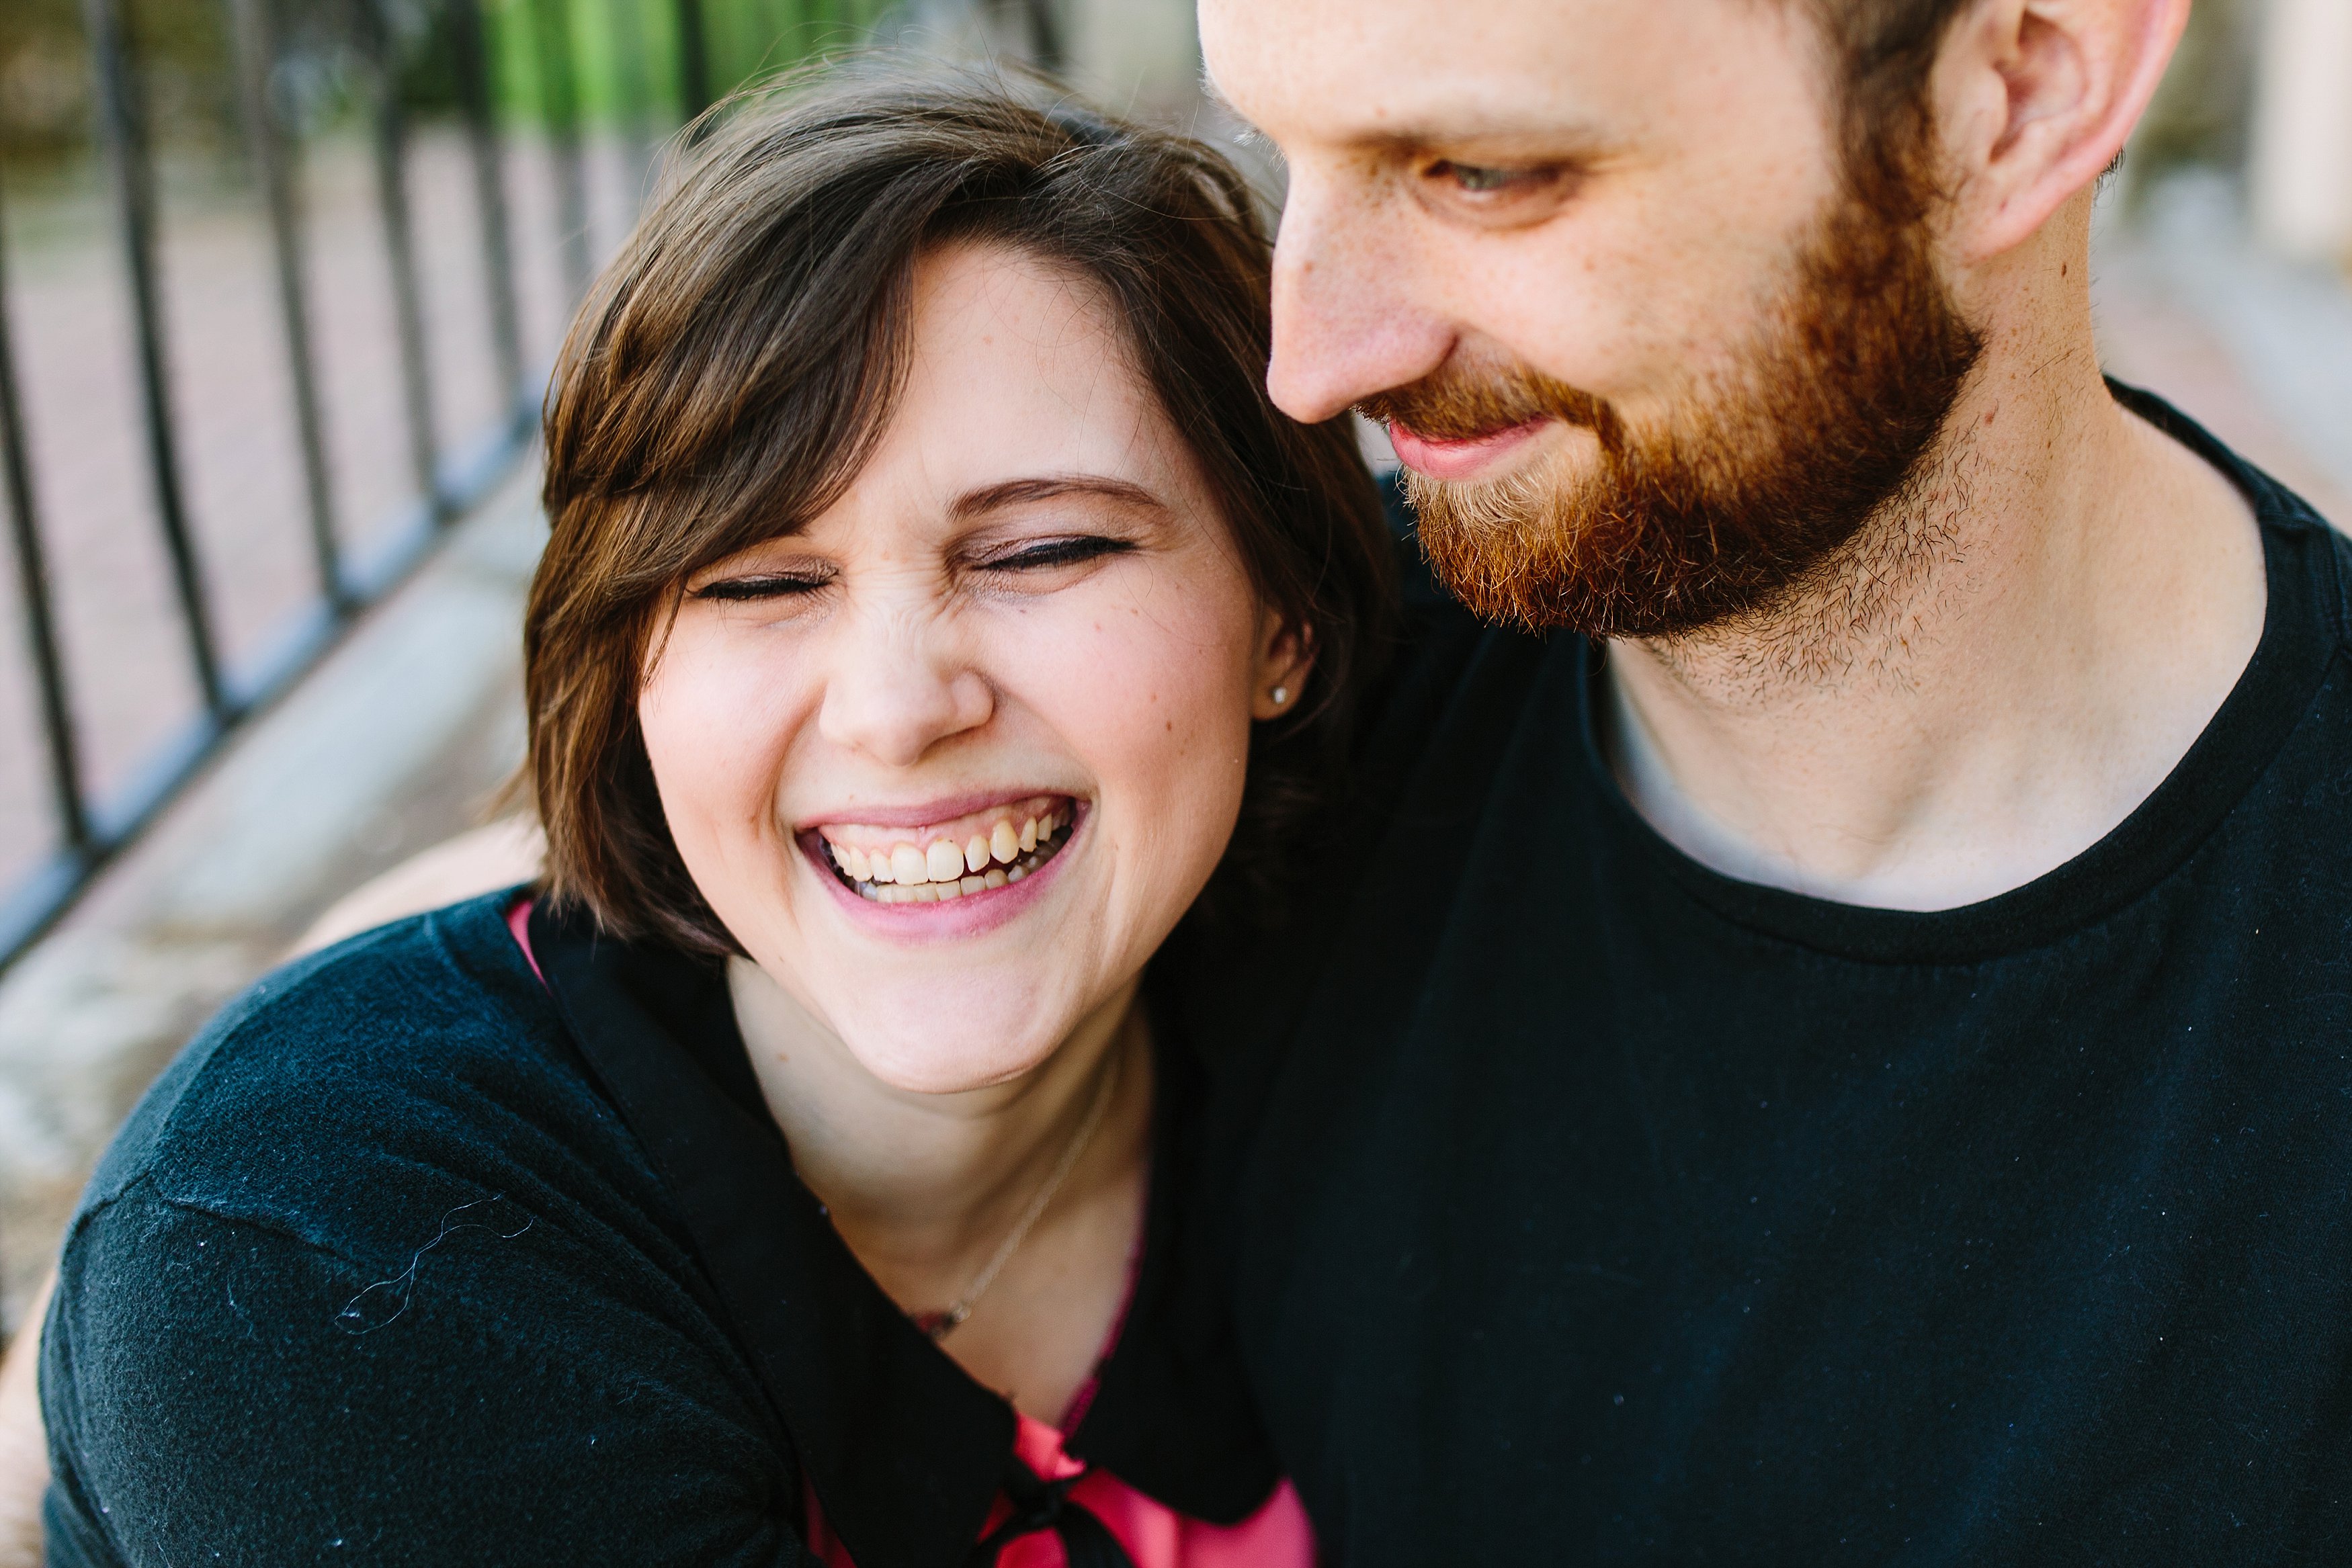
[907, 875]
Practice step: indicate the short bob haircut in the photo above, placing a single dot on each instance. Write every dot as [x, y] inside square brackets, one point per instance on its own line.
[733, 368]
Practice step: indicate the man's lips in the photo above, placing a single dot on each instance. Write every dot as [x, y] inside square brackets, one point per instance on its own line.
[1469, 459]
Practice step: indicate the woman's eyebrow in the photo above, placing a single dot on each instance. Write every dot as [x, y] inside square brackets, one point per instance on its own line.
[978, 503]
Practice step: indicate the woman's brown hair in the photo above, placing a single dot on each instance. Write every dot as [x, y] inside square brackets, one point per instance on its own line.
[731, 370]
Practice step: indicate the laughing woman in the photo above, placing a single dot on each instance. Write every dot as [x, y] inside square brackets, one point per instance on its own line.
[935, 614]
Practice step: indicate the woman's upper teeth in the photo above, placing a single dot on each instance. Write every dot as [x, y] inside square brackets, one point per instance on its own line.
[983, 849]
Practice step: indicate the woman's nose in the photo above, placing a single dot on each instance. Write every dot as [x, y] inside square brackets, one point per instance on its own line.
[901, 683]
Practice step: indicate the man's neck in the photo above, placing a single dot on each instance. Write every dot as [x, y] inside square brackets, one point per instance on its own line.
[2011, 660]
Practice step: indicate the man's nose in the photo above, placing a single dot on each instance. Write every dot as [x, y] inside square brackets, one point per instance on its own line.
[901, 682]
[1348, 320]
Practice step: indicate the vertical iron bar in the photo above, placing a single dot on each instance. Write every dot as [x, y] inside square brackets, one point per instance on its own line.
[382, 46]
[125, 133]
[559, 97]
[33, 587]
[256, 57]
[693, 61]
[471, 46]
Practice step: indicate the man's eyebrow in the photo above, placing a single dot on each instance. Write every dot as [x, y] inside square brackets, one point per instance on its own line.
[973, 504]
[1471, 123]
[1504, 133]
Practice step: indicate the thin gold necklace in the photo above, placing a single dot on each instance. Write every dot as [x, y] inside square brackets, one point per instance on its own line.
[940, 1324]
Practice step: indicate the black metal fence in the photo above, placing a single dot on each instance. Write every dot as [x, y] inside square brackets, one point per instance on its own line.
[465, 52]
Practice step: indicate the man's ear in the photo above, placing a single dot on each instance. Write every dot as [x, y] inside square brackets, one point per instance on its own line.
[1285, 657]
[2034, 99]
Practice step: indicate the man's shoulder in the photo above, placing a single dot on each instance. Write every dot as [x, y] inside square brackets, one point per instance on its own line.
[421, 1046]
[2296, 534]
[2312, 545]
[2332, 557]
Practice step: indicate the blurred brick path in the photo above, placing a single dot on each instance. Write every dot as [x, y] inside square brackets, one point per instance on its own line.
[125, 646]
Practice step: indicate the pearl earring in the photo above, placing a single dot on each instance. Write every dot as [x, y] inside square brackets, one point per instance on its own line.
[1280, 694]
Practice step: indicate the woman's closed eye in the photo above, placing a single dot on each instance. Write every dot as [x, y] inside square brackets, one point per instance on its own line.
[1044, 555]
[764, 585]
[1032, 564]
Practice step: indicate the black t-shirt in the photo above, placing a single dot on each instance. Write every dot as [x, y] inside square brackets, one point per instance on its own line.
[1603, 1208]
[413, 1259]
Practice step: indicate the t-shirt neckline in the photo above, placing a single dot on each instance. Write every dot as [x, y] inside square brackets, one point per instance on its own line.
[2298, 641]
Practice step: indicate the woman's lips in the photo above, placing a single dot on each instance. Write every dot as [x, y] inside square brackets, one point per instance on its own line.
[1469, 459]
[940, 862]
[948, 907]
[947, 856]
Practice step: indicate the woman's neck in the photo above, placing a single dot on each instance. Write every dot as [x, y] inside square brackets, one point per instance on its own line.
[925, 1188]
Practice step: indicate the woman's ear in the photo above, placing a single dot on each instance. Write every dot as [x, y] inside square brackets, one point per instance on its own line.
[1285, 656]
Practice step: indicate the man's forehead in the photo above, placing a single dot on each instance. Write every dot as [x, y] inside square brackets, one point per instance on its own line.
[1372, 71]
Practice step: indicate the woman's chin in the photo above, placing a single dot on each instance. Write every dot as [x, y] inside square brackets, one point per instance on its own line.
[952, 1055]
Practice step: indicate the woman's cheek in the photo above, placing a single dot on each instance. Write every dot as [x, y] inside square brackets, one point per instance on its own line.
[1158, 703]
[1145, 689]
[714, 730]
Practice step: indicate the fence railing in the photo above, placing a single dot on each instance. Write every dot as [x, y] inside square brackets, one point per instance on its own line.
[494, 69]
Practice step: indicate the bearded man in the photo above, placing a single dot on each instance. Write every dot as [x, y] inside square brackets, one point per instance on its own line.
[1830, 1036]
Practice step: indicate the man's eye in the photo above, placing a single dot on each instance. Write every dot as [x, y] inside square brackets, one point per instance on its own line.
[740, 587]
[1472, 177]
[1492, 179]
[1058, 552]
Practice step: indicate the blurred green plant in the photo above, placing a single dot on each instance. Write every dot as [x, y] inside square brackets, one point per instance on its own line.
[626, 52]
[626, 69]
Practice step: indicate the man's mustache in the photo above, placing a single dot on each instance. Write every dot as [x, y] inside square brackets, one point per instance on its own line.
[1462, 403]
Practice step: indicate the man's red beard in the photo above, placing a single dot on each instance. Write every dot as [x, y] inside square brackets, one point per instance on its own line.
[1751, 488]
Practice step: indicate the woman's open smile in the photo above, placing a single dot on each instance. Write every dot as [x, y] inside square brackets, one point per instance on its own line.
[939, 859]
[947, 869]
